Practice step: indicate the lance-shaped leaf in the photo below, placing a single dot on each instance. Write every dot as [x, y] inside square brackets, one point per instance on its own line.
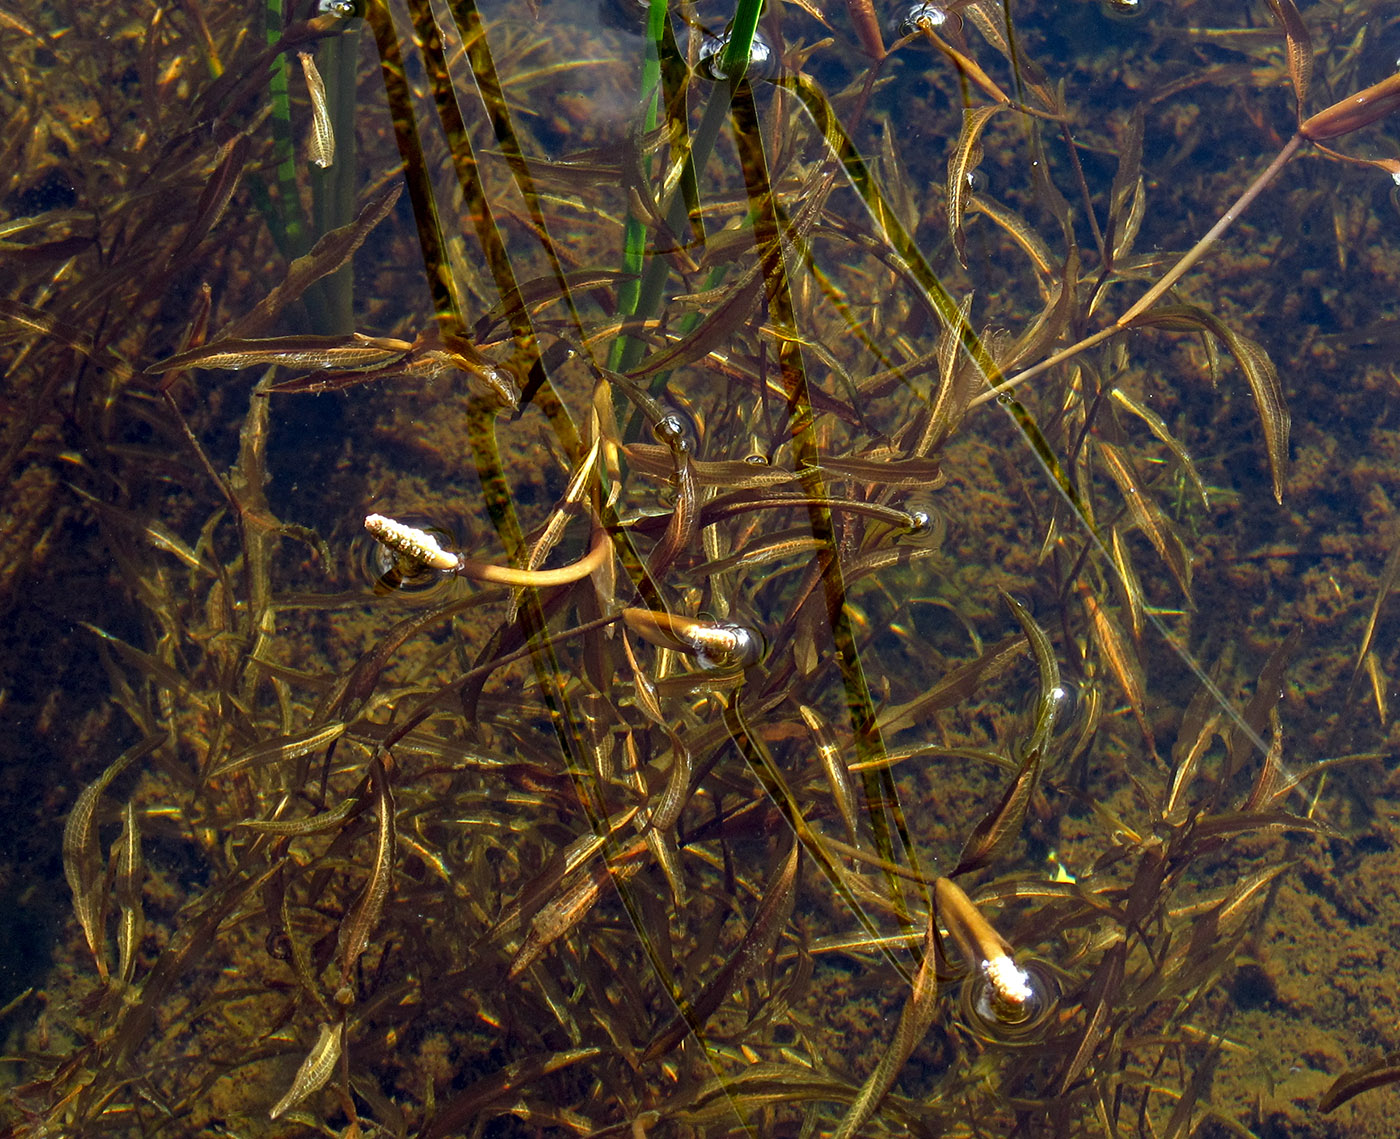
[1259, 373]
[1376, 1074]
[326, 256]
[957, 686]
[961, 163]
[914, 1021]
[46, 324]
[1158, 426]
[324, 352]
[1018, 229]
[1127, 199]
[364, 914]
[563, 913]
[534, 895]
[82, 855]
[282, 749]
[867, 26]
[1122, 660]
[321, 144]
[213, 199]
[1099, 998]
[1355, 111]
[131, 918]
[471, 1105]
[753, 951]
[1299, 48]
[1003, 822]
[1146, 514]
[314, 1072]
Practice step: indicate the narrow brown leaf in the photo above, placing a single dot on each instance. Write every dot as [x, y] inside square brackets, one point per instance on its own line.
[1259, 373]
[751, 953]
[557, 867]
[1146, 514]
[364, 914]
[1377, 1074]
[326, 256]
[314, 1072]
[1000, 825]
[346, 352]
[964, 159]
[213, 199]
[563, 913]
[867, 25]
[996, 829]
[1133, 597]
[915, 1019]
[1102, 995]
[321, 144]
[462, 1110]
[82, 855]
[838, 775]
[1018, 229]
[1299, 48]
[961, 683]
[1122, 661]
[1126, 200]
[282, 749]
[131, 918]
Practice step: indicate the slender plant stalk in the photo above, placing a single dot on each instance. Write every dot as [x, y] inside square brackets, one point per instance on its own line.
[1342, 117]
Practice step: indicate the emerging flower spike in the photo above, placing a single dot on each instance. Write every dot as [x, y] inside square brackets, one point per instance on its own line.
[1010, 985]
[718, 646]
[411, 542]
[1011, 992]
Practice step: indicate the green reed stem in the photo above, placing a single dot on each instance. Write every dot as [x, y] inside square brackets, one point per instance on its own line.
[285, 222]
[735, 60]
[733, 63]
[626, 350]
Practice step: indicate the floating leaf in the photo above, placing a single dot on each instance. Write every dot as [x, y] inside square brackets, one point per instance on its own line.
[1355, 111]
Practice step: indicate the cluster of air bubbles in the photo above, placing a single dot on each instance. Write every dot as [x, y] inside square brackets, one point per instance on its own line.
[709, 61]
[1123, 9]
[342, 8]
[1006, 1002]
[924, 16]
[724, 646]
[392, 572]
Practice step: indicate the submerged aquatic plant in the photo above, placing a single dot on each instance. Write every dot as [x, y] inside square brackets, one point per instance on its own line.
[777, 740]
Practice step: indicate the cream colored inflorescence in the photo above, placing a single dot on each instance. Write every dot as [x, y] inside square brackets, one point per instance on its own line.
[1011, 989]
[411, 542]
